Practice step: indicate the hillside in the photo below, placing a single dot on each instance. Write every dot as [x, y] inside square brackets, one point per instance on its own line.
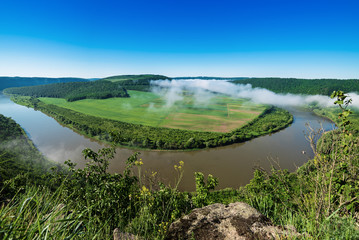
[19, 157]
[119, 78]
[136, 82]
[8, 82]
[72, 91]
[211, 78]
[302, 86]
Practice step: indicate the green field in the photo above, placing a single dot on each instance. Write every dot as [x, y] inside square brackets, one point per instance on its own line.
[220, 114]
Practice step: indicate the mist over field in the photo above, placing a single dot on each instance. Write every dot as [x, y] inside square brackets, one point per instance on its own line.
[203, 92]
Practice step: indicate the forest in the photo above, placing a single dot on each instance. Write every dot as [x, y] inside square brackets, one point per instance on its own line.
[8, 82]
[141, 136]
[135, 77]
[302, 86]
[211, 78]
[72, 91]
[136, 82]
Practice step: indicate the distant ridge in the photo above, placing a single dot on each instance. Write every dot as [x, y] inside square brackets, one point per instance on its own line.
[141, 82]
[135, 77]
[210, 78]
[303, 86]
[7, 82]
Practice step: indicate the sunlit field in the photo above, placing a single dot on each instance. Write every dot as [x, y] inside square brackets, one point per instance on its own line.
[218, 114]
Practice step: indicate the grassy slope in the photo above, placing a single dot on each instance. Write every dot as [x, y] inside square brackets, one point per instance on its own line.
[303, 86]
[332, 113]
[149, 109]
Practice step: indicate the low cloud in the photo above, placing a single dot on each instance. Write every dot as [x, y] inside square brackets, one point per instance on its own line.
[203, 92]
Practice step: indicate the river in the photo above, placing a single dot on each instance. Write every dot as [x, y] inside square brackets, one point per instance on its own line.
[233, 165]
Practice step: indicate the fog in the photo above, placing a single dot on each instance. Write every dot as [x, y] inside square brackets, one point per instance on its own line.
[204, 91]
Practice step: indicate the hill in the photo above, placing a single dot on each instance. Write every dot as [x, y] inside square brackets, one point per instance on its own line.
[8, 82]
[119, 78]
[136, 82]
[72, 91]
[302, 86]
[211, 78]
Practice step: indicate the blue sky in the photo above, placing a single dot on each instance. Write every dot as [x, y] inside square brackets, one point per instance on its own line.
[309, 39]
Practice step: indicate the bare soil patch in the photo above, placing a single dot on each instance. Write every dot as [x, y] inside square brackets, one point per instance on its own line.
[200, 122]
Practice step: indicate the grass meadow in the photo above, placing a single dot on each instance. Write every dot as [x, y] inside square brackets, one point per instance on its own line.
[218, 114]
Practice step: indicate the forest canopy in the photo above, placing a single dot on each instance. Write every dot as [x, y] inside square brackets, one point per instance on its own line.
[135, 77]
[8, 82]
[302, 86]
[72, 91]
[136, 82]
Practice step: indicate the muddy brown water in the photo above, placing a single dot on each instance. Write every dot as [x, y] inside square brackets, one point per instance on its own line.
[233, 165]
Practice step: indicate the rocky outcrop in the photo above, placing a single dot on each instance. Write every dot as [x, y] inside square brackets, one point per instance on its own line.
[118, 235]
[233, 221]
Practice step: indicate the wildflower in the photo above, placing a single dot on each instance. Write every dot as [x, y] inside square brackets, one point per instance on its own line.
[144, 189]
[139, 163]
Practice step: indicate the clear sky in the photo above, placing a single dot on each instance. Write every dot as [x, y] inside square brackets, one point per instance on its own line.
[84, 38]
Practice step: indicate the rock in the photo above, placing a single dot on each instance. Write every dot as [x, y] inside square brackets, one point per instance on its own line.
[118, 235]
[234, 221]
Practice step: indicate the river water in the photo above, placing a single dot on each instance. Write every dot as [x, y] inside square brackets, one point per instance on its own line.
[233, 165]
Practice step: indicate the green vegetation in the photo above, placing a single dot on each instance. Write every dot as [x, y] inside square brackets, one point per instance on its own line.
[136, 82]
[136, 135]
[303, 86]
[72, 91]
[220, 114]
[211, 78]
[143, 120]
[135, 77]
[19, 158]
[332, 114]
[8, 82]
[320, 199]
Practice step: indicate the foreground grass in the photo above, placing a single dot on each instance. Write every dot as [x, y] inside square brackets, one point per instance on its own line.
[220, 114]
[90, 204]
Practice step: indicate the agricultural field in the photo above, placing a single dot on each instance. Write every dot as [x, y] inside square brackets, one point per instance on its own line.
[218, 114]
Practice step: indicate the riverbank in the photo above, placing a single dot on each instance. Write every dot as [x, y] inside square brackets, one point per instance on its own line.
[139, 136]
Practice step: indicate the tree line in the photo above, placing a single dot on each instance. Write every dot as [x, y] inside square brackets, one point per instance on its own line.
[8, 82]
[72, 91]
[135, 77]
[136, 82]
[302, 86]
